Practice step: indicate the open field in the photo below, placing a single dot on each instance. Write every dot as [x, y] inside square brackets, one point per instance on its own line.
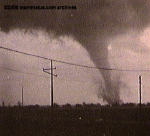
[69, 121]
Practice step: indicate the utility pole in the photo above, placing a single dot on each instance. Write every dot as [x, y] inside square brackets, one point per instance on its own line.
[140, 104]
[140, 90]
[52, 83]
[3, 104]
[22, 96]
[51, 75]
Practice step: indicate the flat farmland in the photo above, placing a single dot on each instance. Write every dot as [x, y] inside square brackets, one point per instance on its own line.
[73, 121]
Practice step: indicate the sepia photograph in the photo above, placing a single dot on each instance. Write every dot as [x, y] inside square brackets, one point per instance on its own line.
[74, 67]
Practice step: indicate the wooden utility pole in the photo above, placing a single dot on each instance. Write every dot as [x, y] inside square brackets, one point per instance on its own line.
[3, 104]
[22, 96]
[140, 104]
[52, 83]
[51, 74]
[140, 90]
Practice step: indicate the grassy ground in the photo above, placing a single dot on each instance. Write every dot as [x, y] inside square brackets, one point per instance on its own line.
[43, 121]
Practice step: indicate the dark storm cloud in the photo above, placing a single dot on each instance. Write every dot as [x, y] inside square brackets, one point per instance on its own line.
[92, 24]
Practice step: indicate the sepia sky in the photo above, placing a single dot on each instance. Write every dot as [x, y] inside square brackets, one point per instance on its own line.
[128, 54]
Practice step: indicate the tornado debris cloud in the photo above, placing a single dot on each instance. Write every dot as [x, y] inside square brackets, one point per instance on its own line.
[92, 23]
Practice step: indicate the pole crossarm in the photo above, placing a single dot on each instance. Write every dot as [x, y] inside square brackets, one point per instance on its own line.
[45, 70]
[48, 68]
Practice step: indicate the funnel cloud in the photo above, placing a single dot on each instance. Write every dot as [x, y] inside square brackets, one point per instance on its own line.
[92, 23]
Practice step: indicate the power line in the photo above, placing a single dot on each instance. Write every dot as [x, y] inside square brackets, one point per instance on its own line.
[74, 64]
[18, 71]
[52, 59]
[64, 79]
[43, 76]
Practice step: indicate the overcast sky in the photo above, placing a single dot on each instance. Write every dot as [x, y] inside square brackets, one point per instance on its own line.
[73, 84]
[127, 53]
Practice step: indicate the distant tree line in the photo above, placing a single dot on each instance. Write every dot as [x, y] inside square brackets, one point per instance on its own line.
[80, 106]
